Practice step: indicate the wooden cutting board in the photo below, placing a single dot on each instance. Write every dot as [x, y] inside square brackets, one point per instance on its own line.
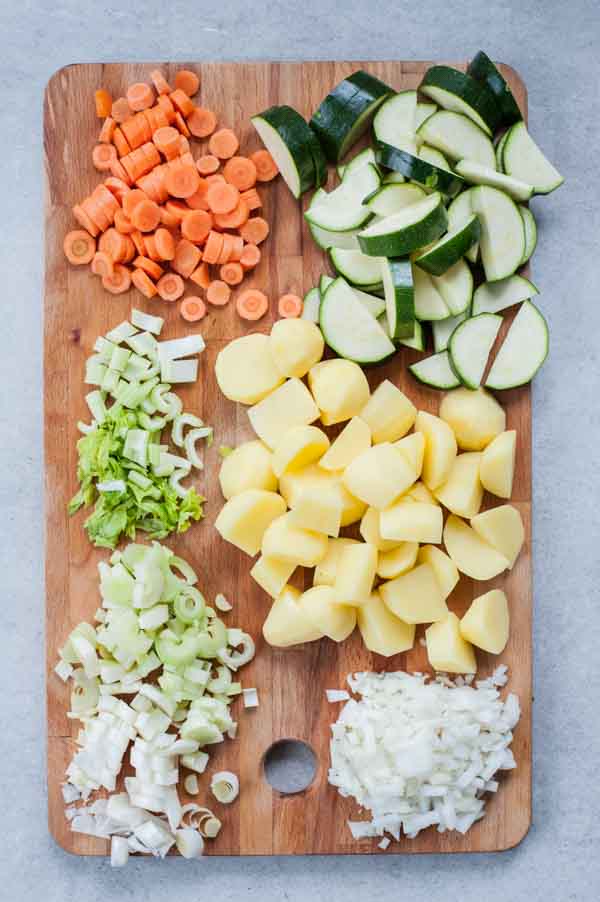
[291, 683]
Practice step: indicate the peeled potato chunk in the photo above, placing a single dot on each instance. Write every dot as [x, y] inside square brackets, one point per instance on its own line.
[413, 448]
[287, 624]
[472, 555]
[391, 564]
[474, 416]
[389, 413]
[295, 345]
[497, 467]
[334, 620]
[355, 573]
[289, 405]
[487, 622]
[382, 632]
[354, 438]
[326, 569]
[440, 449]
[245, 517]
[272, 574]
[379, 476]
[299, 447]
[340, 389]
[447, 650]
[412, 521]
[292, 484]
[420, 492]
[369, 530]
[318, 509]
[502, 528]
[249, 466]
[443, 567]
[286, 542]
[462, 493]
[245, 369]
[416, 596]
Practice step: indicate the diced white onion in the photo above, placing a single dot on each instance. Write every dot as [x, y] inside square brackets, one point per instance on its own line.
[189, 843]
[192, 787]
[250, 698]
[222, 603]
[225, 786]
[119, 852]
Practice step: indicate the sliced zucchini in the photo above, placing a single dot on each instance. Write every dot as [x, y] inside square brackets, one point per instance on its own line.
[399, 297]
[357, 162]
[424, 111]
[456, 287]
[417, 342]
[470, 345]
[476, 174]
[319, 159]
[390, 199]
[502, 239]
[356, 267]
[522, 158]
[393, 178]
[443, 329]
[433, 156]
[530, 227]
[287, 137]
[405, 231]
[460, 93]
[451, 248]
[499, 150]
[458, 138]
[522, 352]
[492, 297]
[458, 212]
[375, 305]
[310, 308]
[483, 70]
[326, 239]
[346, 113]
[429, 304]
[395, 121]
[342, 209]
[436, 372]
[349, 329]
[418, 169]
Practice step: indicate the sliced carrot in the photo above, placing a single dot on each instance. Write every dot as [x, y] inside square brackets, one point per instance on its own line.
[181, 102]
[222, 198]
[192, 309]
[85, 220]
[170, 287]
[107, 131]
[120, 110]
[177, 208]
[153, 184]
[151, 154]
[252, 304]
[103, 102]
[107, 199]
[156, 118]
[201, 122]
[250, 256]
[119, 172]
[224, 144]
[150, 246]
[218, 293]
[132, 199]
[102, 156]
[207, 164]
[187, 81]
[146, 216]
[94, 210]
[160, 82]
[130, 249]
[165, 244]
[184, 147]
[149, 266]
[266, 167]
[232, 273]
[143, 283]
[252, 199]
[225, 254]
[201, 276]
[79, 247]
[169, 220]
[216, 179]
[241, 172]
[255, 230]
[102, 264]
[119, 281]
[198, 200]
[140, 243]
[196, 226]
[182, 125]
[237, 246]
[121, 143]
[115, 245]
[123, 223]
[167, 107]
[213, 247]
[183, 182]
[140, 96]
[167, 141]
[289, 306]
[186, 259]
[234, 220]
[137, 130]
[117, 187]
[187, 159]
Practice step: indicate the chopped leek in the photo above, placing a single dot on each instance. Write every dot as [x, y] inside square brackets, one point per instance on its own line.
[225, 786]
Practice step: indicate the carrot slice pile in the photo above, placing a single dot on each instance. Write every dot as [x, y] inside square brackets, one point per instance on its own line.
[192, 309]
[165, 244]
[252, 304]
[183, 182]
[146, 216]
[103, 155]
[222, 198]
[196, 226]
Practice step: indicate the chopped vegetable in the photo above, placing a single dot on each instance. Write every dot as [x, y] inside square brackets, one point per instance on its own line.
[225, 786]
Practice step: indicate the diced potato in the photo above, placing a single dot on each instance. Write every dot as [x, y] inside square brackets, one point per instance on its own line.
[497, 468]
[440, 449]
[336, 621]
[416, 596]
[245, 517]
[389, 413]
[245, 369]
[413, 448]
[472, 555]
[296, 345]
[249, 466]
[299, 447]
[443, 567]
[379, 476]
[272, 574]
[340, 389]
[287, 624]
[382, 632]
[447, 650]
[292, 484]
[391, 564]
[420, 492]
[319, 510]
[502, 528]
[289, 405]
[286, 542]
[474, 416]
[354, 438]
[487, 622]
[369, 530]
[412, 521]
[325, 571]
[355, 574]
[462, 493]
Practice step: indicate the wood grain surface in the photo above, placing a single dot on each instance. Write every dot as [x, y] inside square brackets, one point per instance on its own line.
[291, 683]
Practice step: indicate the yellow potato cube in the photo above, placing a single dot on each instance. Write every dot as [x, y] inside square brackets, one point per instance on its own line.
[382, 632]
[389, 413]
[245, 517]
[326, 569]
[412, 521]
[245, 370]
[379, 476]
[289, 405]
[334, 620]
[249, 466]
[286, 542]
[472, 555]
[420, 492]
[443, 567]
[497, 468]
[340, 389]
[487, 622]
[299, 447]
[272, 574]
[447, 650]
[474, 416]
[319, 510]
[416, 596]
[440, 449]
[286, 623]
[413, 448]
[295, 345]
[502, 528]
[462, 493]
[354, 438]
[292, 484]
[355, 574]
[401, 559]
[369, 530]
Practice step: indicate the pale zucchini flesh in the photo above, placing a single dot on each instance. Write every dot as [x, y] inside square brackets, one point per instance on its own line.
[458, 138]
[502, 240]
[522, 352]
[349, 329]
[492, 297]
[523, 159]
[470, 345]
[436, 371]
[476, 174]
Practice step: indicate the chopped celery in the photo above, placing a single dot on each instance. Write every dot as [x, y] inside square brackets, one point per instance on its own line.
[121, 332]
[177, 371]
[181, 347]
[147, 322]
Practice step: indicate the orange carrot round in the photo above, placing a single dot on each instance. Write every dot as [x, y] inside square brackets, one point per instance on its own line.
[237, 246]
[139, 243]
[168, 219]
[232, 273]
[196, 226]
[117, 187]
[140, 96]
[146, 216]
[255, 230]
[181, 102]
[120, 110]
[218, 293]
[102, 264]
[222, 198]
[198, 200]
[107, 131]
[207, 164]
[149, 266]
[186, 158]
[252, 304]
[184, 146]
[85, 221]
[187, 81]
[266, 167]
[143, 283]
[201, 122]
[160, 83]
[252, 199]
[121, 143]
[170, 287]
[103, 102]
[123, 223]
[213, 247]
[201, 276]
[95, 212]
[150, 247]
[119, 281]
[137, 130]
[241, 172]
[167, 107]
[165, 244]
[182, 182]
[103, 155]
[119, 172]
[79, 247]
[224, 144]
[289, 306]
[186, 259]
[192, 309]
[182, 125]
[215, 179]
[177, 208]
[250, 256]
[234, 220]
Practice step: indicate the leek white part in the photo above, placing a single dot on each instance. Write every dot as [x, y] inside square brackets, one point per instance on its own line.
[119, 852]
[225, 786]
[250, 697]
[238, 658]
[179, 424]
[147, 322]
[210, 827]
[189, 843]
[222, 604]
[192, 787]
[337, 695]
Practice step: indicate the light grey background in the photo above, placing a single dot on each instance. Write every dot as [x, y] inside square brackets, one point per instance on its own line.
[555, 46]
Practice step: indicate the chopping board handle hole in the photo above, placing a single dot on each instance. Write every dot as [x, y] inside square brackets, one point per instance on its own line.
[290, 766]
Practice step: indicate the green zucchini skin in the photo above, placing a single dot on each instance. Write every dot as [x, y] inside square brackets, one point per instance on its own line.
[483, 70]
[403, 301]
[319, 159]
[419, 170]
[449, 250]
[399, 242]
[294, 132]
[476, 95]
